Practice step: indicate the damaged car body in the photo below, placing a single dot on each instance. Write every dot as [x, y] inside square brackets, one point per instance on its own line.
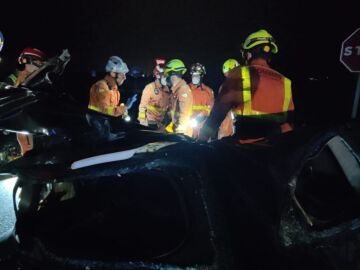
[120, 196]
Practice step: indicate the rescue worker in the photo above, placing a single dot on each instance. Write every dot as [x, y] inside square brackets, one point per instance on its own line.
[154, 100]
[226, 128]
[29, 61]
[181, 98]
[105, 99]
[259, 96]
[104, 94]
[203, 98]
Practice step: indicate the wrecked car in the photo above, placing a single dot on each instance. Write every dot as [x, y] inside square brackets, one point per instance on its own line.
[126, 197]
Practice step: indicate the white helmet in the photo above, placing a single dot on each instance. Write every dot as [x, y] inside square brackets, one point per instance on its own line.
[116, 64]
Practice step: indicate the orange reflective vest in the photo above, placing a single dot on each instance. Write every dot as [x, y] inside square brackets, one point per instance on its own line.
[266, 101]
[260, 99]
[203, 101]
[104, 96]
[154, 103]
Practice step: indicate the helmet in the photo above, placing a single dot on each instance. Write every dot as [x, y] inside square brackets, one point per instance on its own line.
[29, 54]
[260, 37]
[175, 65]
[229, 65]
[160, 61]
[198, 69]
[159, 66]
[136, 72]
[117, 65]
[1, 41]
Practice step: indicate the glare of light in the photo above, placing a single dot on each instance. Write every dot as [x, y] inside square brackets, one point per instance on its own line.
[193, 123]
[127, 118]
[9, 183]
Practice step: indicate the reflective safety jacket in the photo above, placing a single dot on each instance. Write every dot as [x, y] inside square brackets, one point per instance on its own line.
[181, 101]
[203, 101]
[105, 96]
[17, 78]
[260, 98]
[154, 104]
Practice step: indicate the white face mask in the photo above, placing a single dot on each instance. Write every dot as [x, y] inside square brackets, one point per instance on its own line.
[196, 79]
[31, 68]
[163, 80]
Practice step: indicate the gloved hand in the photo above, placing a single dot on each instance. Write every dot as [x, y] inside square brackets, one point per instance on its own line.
[131, 101]
[120, 110]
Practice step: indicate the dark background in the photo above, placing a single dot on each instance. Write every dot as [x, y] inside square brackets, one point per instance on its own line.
[309, 35]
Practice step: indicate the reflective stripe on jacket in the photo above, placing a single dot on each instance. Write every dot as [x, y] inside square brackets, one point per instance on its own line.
[154, 103]
[181, 102]
[104, 96]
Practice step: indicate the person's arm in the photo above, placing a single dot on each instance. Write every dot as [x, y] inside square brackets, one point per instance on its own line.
[144, 102]
[185, 108]
[230, 95]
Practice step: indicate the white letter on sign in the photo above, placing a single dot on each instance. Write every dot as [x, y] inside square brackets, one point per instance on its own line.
[358, 50]
[348, 51]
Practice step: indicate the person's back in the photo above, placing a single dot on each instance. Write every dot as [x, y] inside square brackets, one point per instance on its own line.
[260, 97]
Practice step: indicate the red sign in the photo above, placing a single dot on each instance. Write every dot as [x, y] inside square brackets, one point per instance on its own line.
[350, 52]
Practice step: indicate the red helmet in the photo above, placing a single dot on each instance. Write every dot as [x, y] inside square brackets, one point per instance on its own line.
[159, 66]
[29, 54]
[158, 70]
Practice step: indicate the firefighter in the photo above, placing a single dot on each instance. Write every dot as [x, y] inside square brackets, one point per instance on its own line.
[104, 94]
[260, 97]
[180, 99]
[203, 98]
[29, 61]
[154, 100]
[226, 128]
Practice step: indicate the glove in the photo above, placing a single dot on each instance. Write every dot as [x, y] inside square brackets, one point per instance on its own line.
[120, 110]
[131, 101]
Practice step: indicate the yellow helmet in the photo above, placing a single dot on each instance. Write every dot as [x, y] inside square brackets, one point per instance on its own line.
[260, 37]
[175, 65]
[229, 65]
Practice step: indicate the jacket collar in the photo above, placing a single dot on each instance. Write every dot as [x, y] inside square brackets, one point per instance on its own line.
[259, 62]
[111, 82]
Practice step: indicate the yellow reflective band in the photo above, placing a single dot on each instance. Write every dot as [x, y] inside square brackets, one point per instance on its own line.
[287, 96]
[110, 110]
[13, 78]
[153, 108]
[246, 83]
[201, 108]
[170, 128]
[141, 115]
[94, 108]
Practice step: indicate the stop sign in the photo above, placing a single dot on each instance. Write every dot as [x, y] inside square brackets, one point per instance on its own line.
[350, 52]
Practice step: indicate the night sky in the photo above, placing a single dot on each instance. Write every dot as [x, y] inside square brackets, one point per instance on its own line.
[309, 36]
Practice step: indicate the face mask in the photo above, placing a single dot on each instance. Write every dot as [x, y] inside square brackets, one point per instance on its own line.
[169, 82]
[120, 78]
[163, 81]
[31, 68]
[196, 80]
